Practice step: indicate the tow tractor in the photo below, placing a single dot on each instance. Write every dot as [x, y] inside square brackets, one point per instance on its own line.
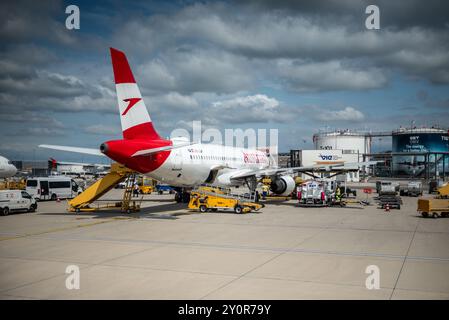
[207, 199]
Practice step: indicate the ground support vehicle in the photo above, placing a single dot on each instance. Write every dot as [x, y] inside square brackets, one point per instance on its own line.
[161, 188]
[208, 199]
[413, 189]
[313, 193]
[16, 200]
[431, 207]
[118, 173]
[393, 201]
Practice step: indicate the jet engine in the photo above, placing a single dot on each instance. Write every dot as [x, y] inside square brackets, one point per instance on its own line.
[283, 185]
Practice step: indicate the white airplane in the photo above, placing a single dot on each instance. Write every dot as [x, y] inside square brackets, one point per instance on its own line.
[178, 162]
[7, 169]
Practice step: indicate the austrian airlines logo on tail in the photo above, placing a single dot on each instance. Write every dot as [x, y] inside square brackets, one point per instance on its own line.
[135, 120]
[132, 102]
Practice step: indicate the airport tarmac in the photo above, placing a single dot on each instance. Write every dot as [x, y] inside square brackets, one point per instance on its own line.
[168, 252]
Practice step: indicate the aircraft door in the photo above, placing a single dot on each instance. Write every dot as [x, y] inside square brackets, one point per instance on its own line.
[177, 160]
[44, 189]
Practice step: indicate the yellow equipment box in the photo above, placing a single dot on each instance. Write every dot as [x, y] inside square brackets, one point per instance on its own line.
[443, 191]
[146, 189]
[212, 199]
[433, 207]
[146, 185]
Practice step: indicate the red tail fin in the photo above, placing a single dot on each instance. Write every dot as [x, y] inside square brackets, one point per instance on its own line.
[134, 117]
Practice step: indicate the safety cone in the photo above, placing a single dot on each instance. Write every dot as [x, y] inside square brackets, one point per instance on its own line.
[58, 200]
[387, 207]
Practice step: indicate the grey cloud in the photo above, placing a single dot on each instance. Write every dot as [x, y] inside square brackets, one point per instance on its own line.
[173, 101]
[271, 35]
[29, 89]
[100, 129]
[20, 116]
[331, 75]
[193, 70]
[250, 109]
[348, 114]
[400, 14]
[33, 20]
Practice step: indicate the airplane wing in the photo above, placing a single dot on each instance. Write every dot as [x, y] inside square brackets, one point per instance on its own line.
[96, 165]
[338, 167]
[96, 152]
[90, 151]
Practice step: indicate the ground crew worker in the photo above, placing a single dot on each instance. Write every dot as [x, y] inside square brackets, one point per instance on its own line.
[265, 189]
[136, 190]
[338, 194]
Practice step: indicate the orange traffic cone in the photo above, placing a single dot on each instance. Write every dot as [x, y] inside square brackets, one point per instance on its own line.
[387, 207]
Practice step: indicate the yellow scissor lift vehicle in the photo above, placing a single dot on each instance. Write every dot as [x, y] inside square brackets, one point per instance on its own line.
[119, 173]
[213, 199]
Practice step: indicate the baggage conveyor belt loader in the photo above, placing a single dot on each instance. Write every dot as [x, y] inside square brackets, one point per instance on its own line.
[207, 199]
[117, 174]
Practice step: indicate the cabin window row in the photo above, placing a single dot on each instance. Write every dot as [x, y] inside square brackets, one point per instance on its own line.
[206, 157]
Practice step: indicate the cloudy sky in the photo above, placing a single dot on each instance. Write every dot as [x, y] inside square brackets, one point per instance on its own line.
[295, 66]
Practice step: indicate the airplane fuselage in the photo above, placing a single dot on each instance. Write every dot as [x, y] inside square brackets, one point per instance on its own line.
[207, 163]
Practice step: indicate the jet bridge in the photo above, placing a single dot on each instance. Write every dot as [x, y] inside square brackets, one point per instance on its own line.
[117, 174]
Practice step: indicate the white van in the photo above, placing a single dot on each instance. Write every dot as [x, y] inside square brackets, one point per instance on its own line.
[15, 200]
[45, 188]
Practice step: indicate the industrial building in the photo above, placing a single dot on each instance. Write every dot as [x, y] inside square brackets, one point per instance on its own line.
[428, 148]
[32, 167]
[358, 142]
[418, 153]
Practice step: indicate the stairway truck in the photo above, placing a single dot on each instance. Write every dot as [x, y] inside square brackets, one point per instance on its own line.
[117, 174]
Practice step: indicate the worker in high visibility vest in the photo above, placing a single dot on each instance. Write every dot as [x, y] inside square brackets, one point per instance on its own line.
[338, 194]
[265, 189]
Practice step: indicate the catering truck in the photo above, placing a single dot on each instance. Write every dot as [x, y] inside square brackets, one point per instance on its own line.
[52, 188]
[314, 193]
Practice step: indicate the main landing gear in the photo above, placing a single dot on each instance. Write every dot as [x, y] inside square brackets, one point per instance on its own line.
[182, 196]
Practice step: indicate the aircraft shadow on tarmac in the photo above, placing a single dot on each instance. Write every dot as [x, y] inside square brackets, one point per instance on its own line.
[153, 212]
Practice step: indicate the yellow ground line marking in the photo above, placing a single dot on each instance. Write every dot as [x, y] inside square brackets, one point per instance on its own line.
[56, 230]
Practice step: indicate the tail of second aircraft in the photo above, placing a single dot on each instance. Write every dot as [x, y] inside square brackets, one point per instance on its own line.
[134, 117]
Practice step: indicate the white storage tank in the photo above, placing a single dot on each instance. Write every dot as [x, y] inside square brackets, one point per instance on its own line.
[343, 140]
